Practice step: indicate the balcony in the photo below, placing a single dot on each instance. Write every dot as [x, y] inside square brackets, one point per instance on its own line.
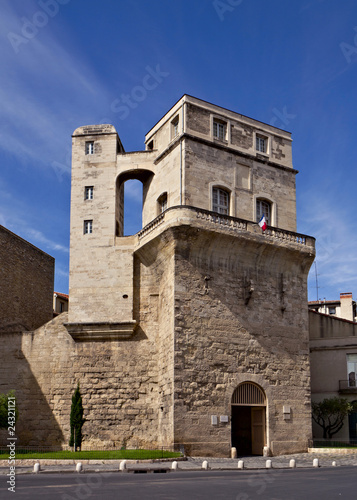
[347, 387]
[190, 215]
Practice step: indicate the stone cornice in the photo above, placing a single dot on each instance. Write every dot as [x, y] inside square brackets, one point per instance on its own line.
[81, 332]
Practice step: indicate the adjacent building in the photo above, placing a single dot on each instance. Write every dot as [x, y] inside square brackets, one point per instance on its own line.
[333, 357]
[26, 284]
[344, 307]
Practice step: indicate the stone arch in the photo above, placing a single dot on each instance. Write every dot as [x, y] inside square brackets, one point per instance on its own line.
[145, 177]
[249, 394]
[247, 377]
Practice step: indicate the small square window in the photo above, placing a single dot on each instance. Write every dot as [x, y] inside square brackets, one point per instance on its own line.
[261, 144]
[219, 130]
[332, 310]
[88, 192]
[88, 227]
[89, 147]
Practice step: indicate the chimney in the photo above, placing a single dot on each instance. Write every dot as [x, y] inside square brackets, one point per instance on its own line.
[346, 306]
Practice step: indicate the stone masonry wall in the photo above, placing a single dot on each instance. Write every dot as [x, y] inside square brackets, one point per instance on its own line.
[26, 281]
[220, 341]
[207, 166]
[126, 386]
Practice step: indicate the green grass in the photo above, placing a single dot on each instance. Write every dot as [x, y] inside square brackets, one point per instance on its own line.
[333, 444]
[93, 455]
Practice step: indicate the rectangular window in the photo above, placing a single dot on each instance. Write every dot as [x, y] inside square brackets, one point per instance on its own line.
[332, 310]
[88, 227]
[162, 203]
[220, 201]
[264, 208]
[88, 192]
[352, 369]
[175, 127]
[261, 144]
[219, 130]
[89, 148]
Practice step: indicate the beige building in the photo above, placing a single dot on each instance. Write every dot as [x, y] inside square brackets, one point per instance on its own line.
[193, 332]
[344, 308]
[60, 303]
[333, 358]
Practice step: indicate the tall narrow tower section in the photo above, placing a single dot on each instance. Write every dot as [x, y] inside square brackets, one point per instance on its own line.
[204, 302]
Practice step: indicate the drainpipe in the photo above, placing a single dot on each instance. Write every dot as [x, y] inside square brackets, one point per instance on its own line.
[180, 171]
[182, 131]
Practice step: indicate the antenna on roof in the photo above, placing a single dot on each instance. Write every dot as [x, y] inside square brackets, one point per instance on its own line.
[317, 283]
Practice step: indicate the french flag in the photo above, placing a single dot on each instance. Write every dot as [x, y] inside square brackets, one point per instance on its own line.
[263, 223]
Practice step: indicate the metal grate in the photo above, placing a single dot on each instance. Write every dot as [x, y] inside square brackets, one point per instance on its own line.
[248, 394]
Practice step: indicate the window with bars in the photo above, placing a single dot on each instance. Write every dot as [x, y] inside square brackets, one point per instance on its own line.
[89, 147]
[248, 394]
[88, 192]
[88, 227]
[263, 208]
[219, 130]
[220, 201]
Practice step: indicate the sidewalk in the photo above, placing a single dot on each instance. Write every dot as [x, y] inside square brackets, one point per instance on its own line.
[302, 460]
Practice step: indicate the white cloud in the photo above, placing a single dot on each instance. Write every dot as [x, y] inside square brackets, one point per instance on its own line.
[38, 89]
[329, 222]
[36, 236]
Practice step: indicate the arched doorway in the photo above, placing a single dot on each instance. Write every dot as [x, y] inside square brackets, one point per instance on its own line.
[248, 421]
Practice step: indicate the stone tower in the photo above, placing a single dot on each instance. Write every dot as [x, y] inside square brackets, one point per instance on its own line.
[201, 315]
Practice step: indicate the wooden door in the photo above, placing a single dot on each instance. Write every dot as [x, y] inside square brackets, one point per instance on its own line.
[258, 429]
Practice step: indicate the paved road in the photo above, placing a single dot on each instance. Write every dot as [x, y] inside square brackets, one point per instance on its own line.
[330, 483]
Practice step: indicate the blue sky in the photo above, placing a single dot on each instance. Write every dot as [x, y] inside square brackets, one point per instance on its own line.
[67, 63]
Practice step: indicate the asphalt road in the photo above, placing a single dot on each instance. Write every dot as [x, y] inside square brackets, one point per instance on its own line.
[305, 484]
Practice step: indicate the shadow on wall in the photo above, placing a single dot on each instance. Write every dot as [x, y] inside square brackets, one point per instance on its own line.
[36, 424]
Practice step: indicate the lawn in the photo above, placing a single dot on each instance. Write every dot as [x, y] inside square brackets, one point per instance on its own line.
[92, 455]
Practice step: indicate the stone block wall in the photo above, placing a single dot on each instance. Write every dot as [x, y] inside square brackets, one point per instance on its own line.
[220, 341]
[26, 284]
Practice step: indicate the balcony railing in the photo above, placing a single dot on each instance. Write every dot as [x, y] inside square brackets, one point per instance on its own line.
[347, 386]
[232, 223]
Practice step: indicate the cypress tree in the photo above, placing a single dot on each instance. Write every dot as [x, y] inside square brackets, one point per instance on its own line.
[76, 419]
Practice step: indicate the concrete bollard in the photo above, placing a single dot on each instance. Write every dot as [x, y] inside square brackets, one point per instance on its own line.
[268, 464]
[233, 452]
[79, 467]
[174, 465]
[315, 462]
[266, 451]
[122, 465]
[334, 464]
[292, 463]
[240, 464]
[205, 465]
[36, 468]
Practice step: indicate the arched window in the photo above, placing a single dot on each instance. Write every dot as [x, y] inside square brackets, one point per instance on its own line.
[220, 201]
[249, 394]
[263, 208]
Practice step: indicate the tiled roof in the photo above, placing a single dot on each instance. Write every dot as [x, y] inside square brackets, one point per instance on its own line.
[63, 295]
